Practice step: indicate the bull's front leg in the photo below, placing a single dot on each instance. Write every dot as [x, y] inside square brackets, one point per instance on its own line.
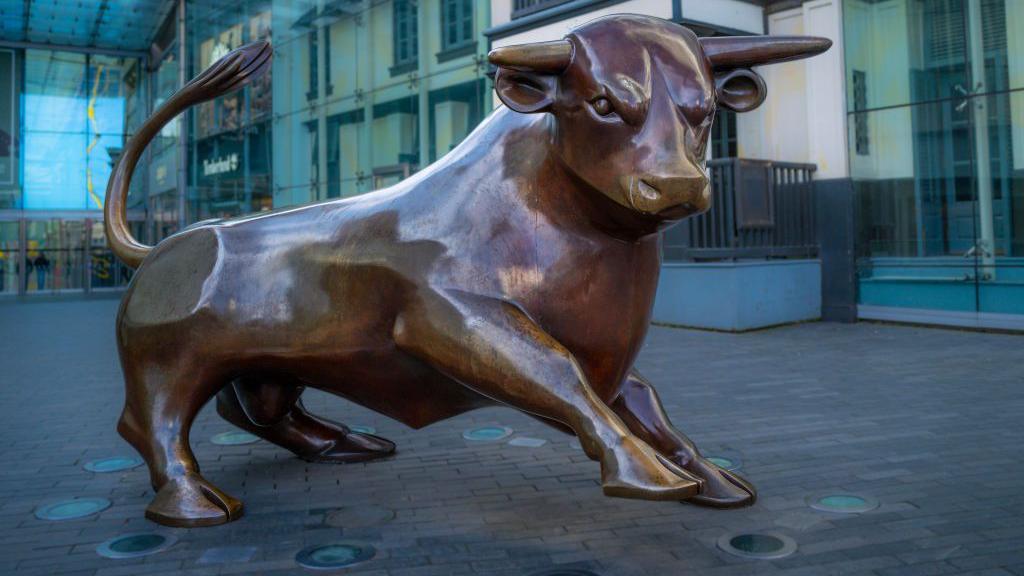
[494, 348]
[640, 408]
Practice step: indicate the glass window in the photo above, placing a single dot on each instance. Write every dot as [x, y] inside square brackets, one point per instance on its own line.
[936, 140]
[456, 23]
[723, 134]
[230, 145]
[406, 37]
[312, 71]
[74, 126]
[8, 131]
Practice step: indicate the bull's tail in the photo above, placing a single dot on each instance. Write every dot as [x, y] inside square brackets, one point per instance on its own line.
[229, 73]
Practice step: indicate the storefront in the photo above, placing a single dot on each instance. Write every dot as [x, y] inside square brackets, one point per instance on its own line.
[935, 97]
[229, 145]
[65, 116]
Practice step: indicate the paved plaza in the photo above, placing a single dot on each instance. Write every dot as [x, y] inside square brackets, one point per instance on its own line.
[928, 422]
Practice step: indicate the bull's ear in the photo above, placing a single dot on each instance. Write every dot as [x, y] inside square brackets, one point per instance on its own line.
[740, 90]
[526, 92]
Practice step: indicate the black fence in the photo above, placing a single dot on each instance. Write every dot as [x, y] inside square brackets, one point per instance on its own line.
[522, 8]
[759, 209]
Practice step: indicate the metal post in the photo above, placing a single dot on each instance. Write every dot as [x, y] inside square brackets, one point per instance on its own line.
[321, 111]
[982, 165]
[366, 63]
[183, 125]
[22, 256]
[87, 255]
[423, 86]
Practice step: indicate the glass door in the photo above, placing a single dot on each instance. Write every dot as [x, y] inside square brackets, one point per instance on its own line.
[43, 247]
[10, 256]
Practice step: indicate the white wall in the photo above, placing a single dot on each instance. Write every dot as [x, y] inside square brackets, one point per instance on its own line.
[736, 14]
[556, 30]
[804, 117]
[883, 53]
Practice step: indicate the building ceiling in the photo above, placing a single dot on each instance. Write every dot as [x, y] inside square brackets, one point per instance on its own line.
[103, 24]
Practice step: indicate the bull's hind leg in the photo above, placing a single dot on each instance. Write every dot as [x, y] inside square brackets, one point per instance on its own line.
[161, 401]
[270, 407]
[495, 349]
[640, 408]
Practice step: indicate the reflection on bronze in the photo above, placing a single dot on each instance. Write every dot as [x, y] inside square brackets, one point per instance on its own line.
[520, 269]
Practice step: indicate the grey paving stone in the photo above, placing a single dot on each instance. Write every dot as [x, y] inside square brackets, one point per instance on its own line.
[927, 421]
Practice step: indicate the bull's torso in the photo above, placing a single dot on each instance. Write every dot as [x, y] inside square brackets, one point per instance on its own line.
[314, 292]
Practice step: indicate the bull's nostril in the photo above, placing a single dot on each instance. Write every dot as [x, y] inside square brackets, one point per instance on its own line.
[647, 191]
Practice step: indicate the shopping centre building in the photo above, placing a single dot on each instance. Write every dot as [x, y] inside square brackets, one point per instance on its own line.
[881, 180]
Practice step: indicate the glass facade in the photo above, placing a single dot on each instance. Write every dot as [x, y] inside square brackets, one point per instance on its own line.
[361, 95]
[935, 96]
[64, 118]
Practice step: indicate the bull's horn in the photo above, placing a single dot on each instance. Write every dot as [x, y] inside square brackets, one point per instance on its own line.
[743, 51]
[550, 57]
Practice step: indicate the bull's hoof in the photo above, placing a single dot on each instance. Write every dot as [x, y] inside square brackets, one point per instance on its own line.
[639, 472]
[353, 447]
[191, 501]
[722, 488]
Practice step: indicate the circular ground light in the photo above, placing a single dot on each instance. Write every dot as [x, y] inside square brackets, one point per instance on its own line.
[334, 556]
[487, 433]
[234, 438]
[135, 545]
[760, 545]
[527, 442]
[114, 464]
[363, 429]
[724, 462]
[71, 509]
[842, 503]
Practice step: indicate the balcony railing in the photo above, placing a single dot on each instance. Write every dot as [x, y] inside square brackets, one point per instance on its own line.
[521, 8]
[759, 209]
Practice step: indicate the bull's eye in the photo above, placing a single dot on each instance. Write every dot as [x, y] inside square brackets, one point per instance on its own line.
[602, 106]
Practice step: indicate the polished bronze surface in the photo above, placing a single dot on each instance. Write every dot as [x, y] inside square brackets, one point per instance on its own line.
[520, 269]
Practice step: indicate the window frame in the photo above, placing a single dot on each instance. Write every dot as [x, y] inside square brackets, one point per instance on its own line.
[463, 43]
[404, 32]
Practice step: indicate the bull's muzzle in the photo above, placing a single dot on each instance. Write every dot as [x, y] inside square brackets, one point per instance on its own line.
[669, 196]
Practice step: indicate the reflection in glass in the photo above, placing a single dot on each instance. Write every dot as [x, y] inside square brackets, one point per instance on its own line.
[936, 135]
[74, 125]
[230, 144]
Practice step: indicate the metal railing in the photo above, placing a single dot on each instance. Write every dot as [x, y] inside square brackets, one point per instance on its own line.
[759, 209]
[521, 8]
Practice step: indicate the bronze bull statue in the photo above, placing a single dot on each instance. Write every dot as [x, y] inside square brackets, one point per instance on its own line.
[520, 269]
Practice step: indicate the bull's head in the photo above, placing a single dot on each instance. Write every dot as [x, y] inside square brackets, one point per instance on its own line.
[633, 98]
